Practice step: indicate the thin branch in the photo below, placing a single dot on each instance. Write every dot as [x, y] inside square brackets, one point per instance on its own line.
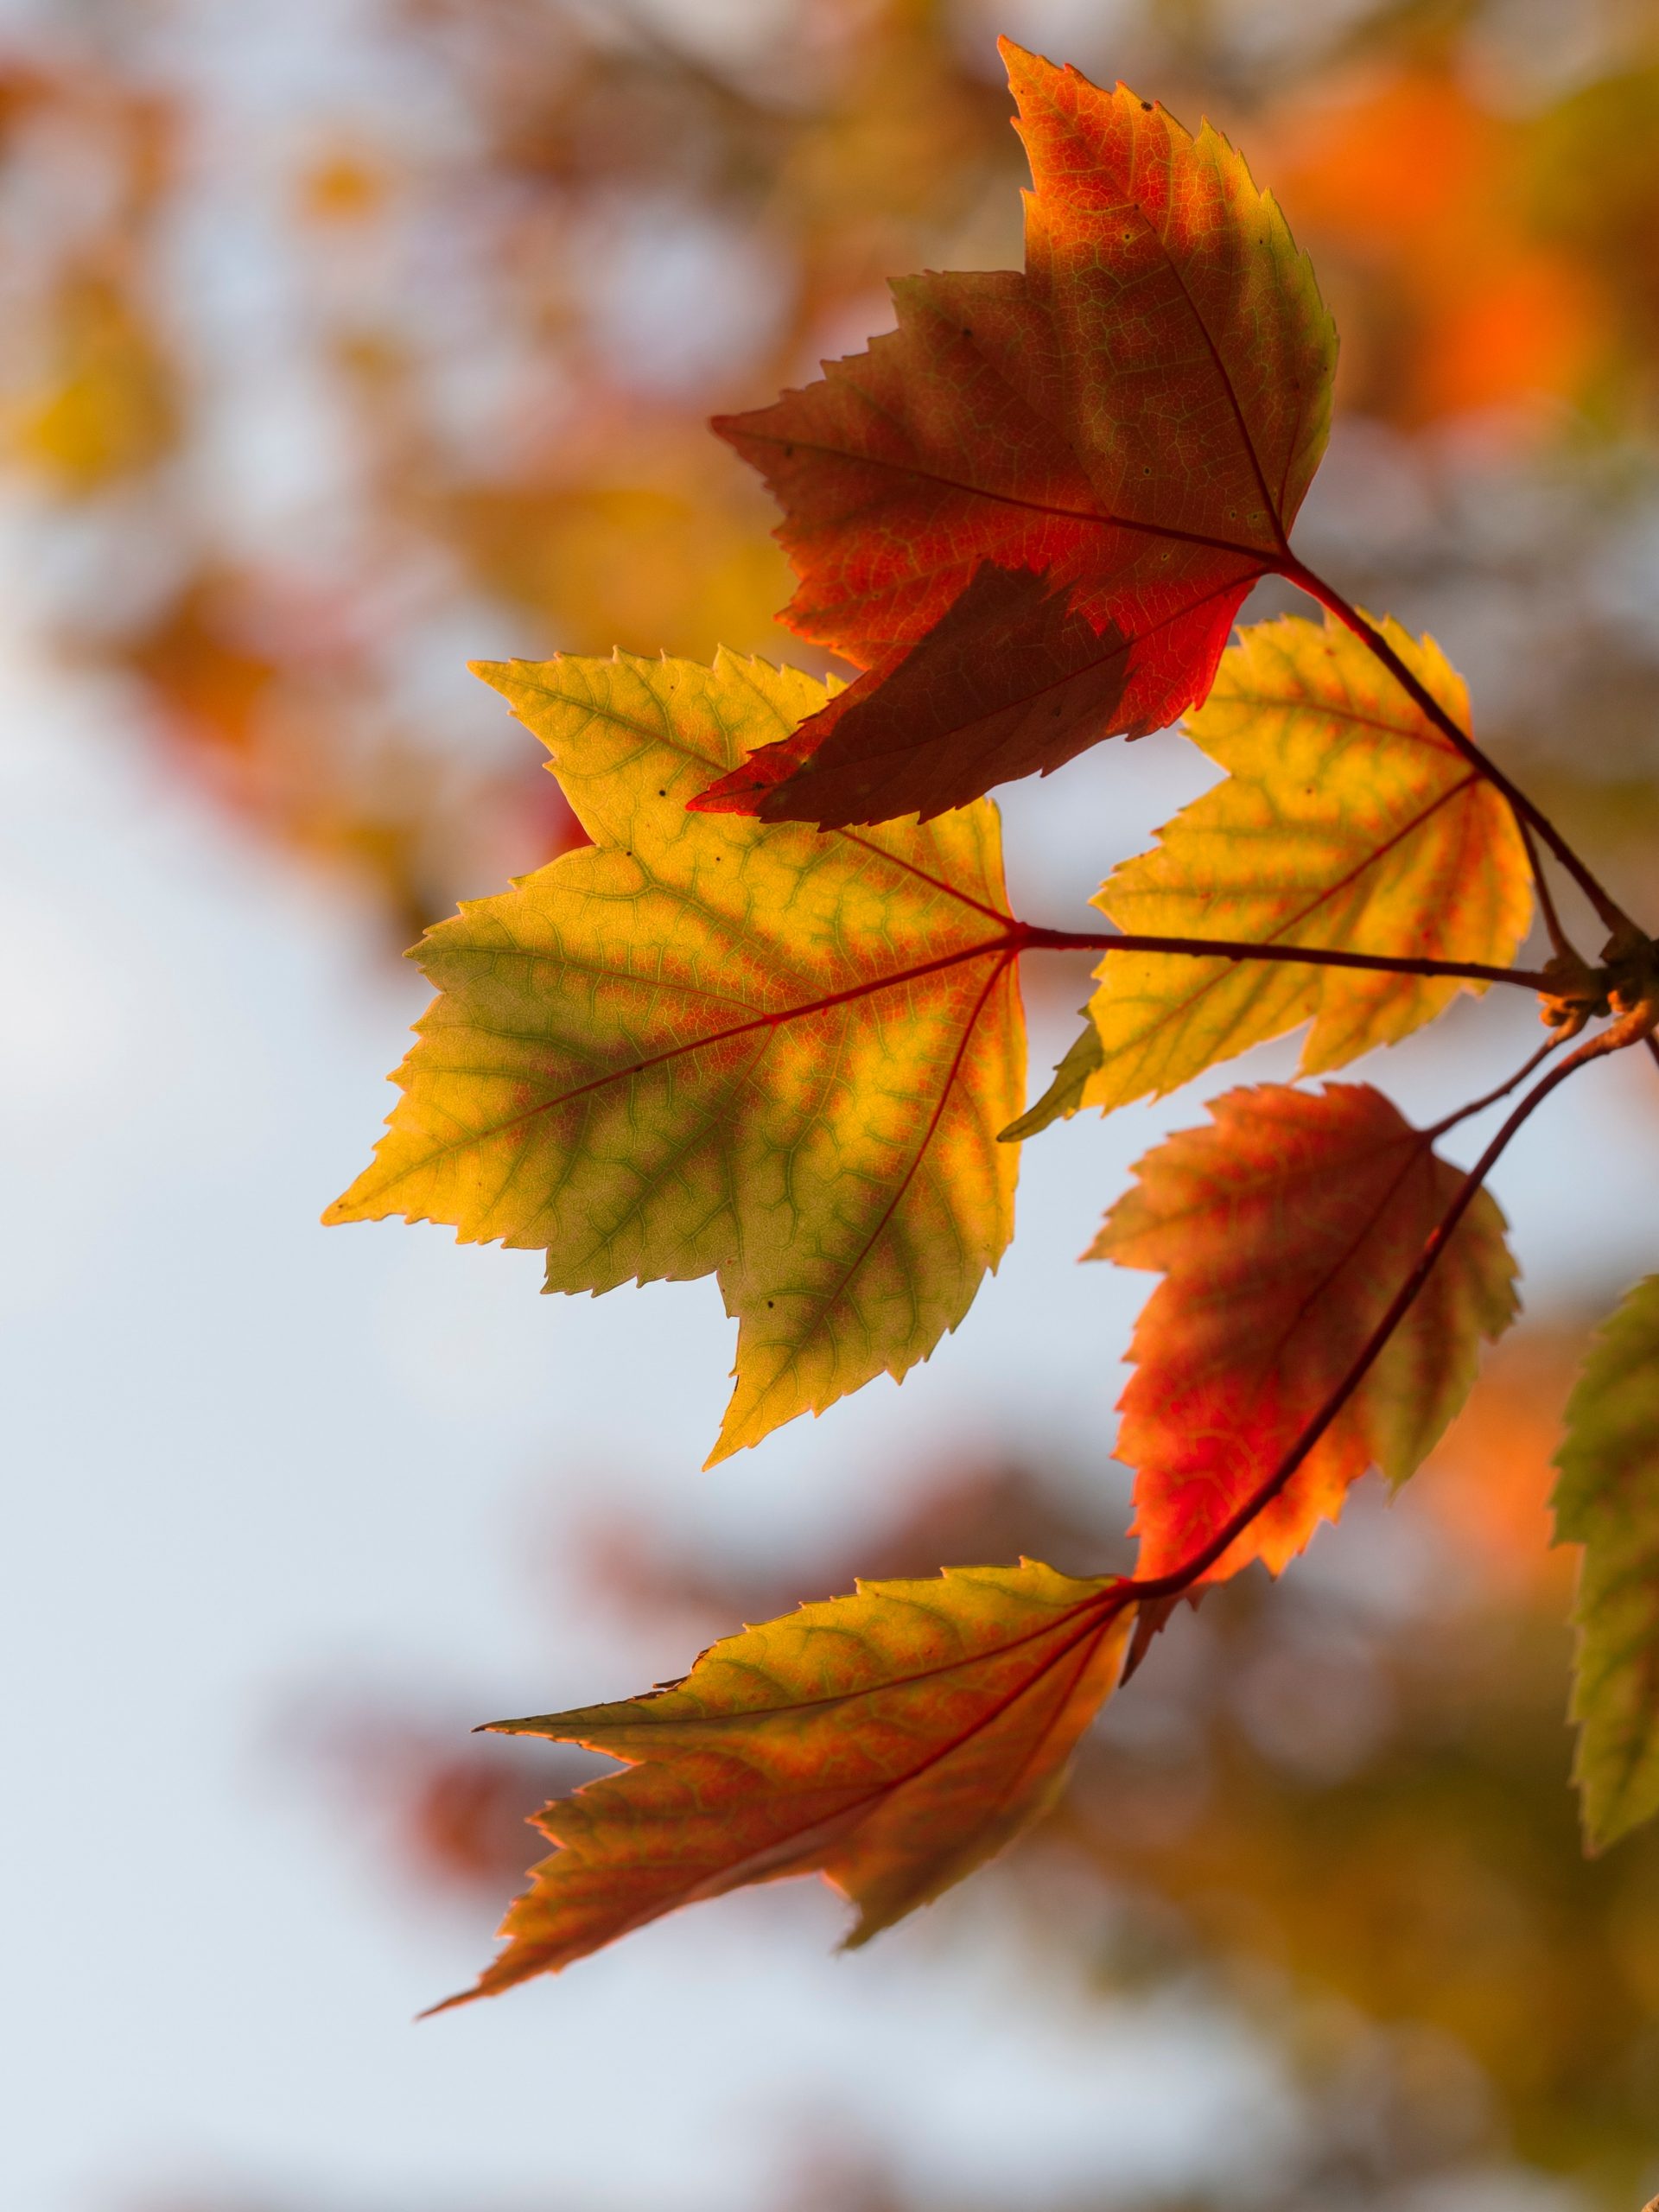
[1559, 942]
[1033, 939]
[1479, 1105]
[1328, 597]
[1182, 1578]
[1653, 1049]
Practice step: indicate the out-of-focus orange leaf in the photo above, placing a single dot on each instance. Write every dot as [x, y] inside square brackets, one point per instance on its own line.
[891, 1741]
[205, 671]
[1282, 1232]
[1491, 1473]
[1457, 302]
[265, 700]
[343, 187]
[1034, 510]
[1530, 327]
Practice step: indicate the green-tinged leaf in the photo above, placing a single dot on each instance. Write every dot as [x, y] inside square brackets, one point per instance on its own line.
[1346, 822]
[1083, 1060]
[704, 1045]
[1607, 1500]
[891, 1741]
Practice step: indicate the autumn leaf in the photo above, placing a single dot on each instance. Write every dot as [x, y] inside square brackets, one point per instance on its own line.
[1282, 1232]
[1607, 1500]
[1032, 512]
[891, 1741]
[1346, 822]
[706, 1045]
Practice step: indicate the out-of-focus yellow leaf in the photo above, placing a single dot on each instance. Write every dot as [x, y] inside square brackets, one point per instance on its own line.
[105, 406]
[891, 1741]
[710, 1045]
[628, 562]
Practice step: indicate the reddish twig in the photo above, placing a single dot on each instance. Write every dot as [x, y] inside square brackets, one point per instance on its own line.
[1033, 939]
[1561, 943]
[1303, 578]
[1478, 1105]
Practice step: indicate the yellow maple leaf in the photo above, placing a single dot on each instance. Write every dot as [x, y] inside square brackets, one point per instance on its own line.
[1346, 822]
[891, 1741]
[706, 1045]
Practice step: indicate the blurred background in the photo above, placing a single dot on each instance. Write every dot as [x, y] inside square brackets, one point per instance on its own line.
[342, 341]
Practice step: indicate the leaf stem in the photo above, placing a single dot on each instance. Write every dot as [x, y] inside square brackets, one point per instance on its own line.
[1183, 1577]
[1561, 943]
[1303, 578]
[1031, 938]
[1492, 1097]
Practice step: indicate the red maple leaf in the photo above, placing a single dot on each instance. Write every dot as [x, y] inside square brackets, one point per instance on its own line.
[1282, 1233]
[1033, 510]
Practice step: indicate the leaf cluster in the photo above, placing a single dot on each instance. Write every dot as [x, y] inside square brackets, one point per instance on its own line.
[766, 1025]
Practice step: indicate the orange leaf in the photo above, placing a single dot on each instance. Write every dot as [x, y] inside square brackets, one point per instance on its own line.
[1034, 509]
[891, 1741]
[1282, 1234]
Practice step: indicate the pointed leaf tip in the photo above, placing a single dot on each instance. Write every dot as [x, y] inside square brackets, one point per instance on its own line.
[705, 1046]
[1346, 823]
[1122, 499]
[891, 1741]
[1250, 1332]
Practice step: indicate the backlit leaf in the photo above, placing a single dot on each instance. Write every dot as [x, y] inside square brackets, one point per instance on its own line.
[1282, 1232]
[891, 1741]
[1346, 822]
[706, 1045]
[1032, 511]
[1607, 1500]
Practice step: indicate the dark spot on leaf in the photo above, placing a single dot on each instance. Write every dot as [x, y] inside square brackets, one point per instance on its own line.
[1146, 106]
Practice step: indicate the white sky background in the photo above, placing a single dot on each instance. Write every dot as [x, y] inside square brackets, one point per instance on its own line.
[246, 1457]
